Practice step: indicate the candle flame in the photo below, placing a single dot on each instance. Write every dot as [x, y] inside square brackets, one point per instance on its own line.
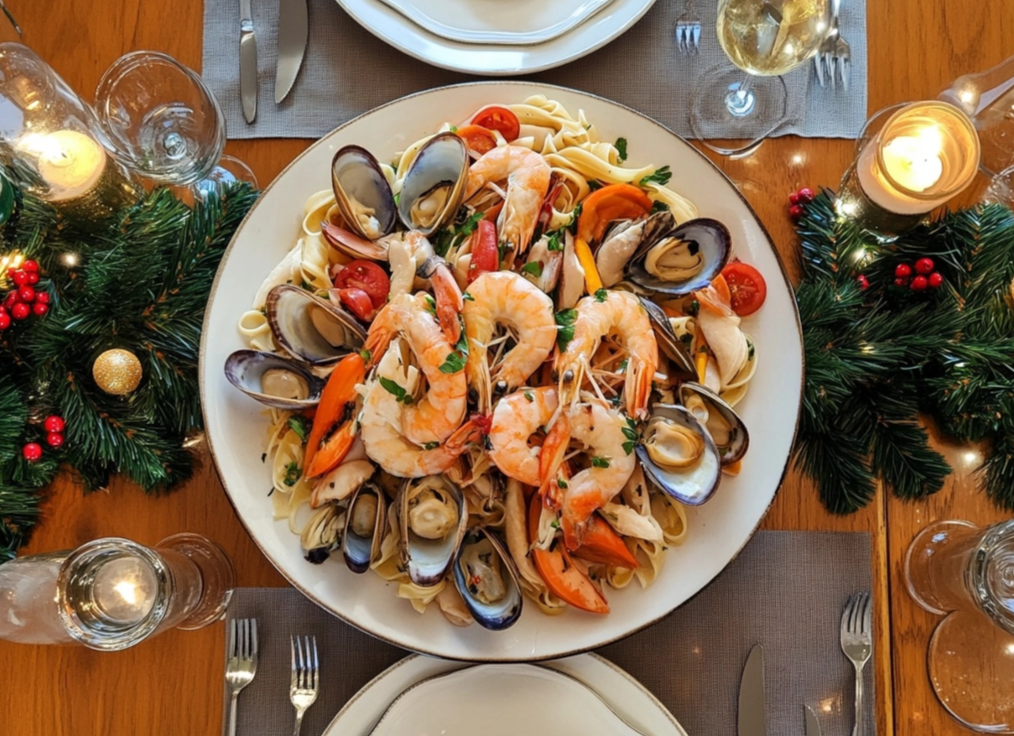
[127, 591]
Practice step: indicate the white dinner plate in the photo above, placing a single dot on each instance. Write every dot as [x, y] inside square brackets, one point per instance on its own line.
[509, 22]
[718, 530]
[391, 26]
[628, 701]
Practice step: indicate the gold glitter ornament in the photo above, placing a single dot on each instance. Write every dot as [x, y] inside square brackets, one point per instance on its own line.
[117, 372]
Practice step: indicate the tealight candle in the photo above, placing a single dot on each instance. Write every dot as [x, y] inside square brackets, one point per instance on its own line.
[124, 589]
[70, 162]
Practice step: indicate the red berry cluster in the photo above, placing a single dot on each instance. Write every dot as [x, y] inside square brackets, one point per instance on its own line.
[797, 200]
[23, 299]
[925, 277]
[54, 426]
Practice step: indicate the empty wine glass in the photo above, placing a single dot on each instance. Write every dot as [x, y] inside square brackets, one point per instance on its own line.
[165, 124]
[764, 39]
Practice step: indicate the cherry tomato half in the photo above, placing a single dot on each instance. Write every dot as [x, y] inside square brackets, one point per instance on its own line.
[746, 287]
[477, 138]
[499, 118]
[358, 302]
[485, 255]
[368, 277]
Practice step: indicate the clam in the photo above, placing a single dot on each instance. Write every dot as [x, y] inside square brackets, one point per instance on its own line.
[487, 580]
[624, 239]
[571, 284]
[674, 348]
[727, 430]
[678, 455]
[310, 328]
[272, 380]
[322, 534]
[683, 260]
[434, 184]
[432, 517]
[365, 523]
[362, 193]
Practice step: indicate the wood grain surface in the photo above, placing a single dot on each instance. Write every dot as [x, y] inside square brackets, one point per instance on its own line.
[171, 684]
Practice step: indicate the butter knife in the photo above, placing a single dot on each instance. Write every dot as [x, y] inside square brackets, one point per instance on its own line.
[812, 724]
[247, 62]
[293, 28]
[752, 719]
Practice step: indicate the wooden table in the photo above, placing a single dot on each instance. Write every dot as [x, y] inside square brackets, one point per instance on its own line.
[170, 685]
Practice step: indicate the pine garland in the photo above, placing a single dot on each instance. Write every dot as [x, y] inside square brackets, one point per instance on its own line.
[879, 357]
[141, 284]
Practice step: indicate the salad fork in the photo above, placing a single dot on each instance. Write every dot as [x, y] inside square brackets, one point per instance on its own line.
[857, 644]
[688, 30]
[834, 57]
[242, 664]
[303, 686]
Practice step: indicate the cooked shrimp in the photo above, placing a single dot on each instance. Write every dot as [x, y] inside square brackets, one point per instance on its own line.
[600, 429]
[527, 174]
[622, 315]
[720, 327]
[410, 254]
[434, 416]
[381, 427]
[516, 418]
[504, 296]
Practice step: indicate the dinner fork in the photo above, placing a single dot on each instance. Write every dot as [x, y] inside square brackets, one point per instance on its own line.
[242, 664]
[303, 687]
[688, 30]
[857, 644]
[834, 56]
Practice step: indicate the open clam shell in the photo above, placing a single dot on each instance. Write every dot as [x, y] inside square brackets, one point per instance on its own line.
[487, 580]
[362, 193]
[675, 349]
[434, 184]
[272, 380]
[365, 523]
[678, 455]
[432, 517]
[683, 260]
[725, 426]
[310, 328]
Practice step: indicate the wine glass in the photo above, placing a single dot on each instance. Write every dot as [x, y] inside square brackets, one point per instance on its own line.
[764, 39]
[165, 124]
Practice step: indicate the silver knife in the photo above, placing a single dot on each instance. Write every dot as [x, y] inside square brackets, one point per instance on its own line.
[247, 62]
[752, 720]
[812, 724]
[293, 28]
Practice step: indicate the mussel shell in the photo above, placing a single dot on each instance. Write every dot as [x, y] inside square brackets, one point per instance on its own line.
[356, 175]
[245, 368]
[624, 239]
[715, 242]
[739, 441]
[442, 159]
[322, 534]
[698, 484]
[674, 348]
[427, 560]
[503, 613]
[359, 551]
[292, 312]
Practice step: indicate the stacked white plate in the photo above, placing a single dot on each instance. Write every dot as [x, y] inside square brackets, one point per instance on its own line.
[496, 37]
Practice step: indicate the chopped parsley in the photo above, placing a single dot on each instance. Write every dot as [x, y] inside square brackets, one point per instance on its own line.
[600, 462]
[456, 360]
[534, 268]
[366, 355]
[502, 249]
[555, 523]
[431, 445]
[575, 215]
[453, 129]
[562, 483]
[601, 295]
[630, 432]
[621, 149]
[594, 184]
[751, 350]
[694, 308]
[468, 297]
[451, 237]
[301, 426]
[393, 388]
[555, 244]
[292, 473]
[623, 365]
[565, 320]
[529, 396]
[431, 305]
[660, 176]
[659, 206]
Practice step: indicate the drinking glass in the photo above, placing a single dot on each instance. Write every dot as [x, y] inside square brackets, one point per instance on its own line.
[165, 124]
[764, 39]
[956, 568]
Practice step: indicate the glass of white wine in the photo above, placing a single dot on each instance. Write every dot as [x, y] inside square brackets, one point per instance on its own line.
[764, 39]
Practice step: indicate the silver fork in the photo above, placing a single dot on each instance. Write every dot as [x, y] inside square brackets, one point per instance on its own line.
[857, 644]
[242, 664]
[688, 30]
[303, 687]
[834, 57]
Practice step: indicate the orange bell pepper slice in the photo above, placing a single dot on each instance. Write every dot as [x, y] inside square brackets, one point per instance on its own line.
[612, 202]
[335, 400]
[603, 545]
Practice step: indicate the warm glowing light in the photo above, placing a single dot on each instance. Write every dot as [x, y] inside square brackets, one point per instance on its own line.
[127, 591]
[971, 458]
[967, 96]
[1010, 649]
[914, 161]
[797, 158]
[70, 259]
[69, 162]
[847, 209]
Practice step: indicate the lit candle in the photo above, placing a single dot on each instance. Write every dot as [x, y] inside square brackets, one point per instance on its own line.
[124, 589]
[71, 163]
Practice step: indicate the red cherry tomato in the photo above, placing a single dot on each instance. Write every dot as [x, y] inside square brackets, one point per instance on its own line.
[485, 255]
[358, 302]
[366, 276]
[499, 118]
[477, 138]
[746, 286]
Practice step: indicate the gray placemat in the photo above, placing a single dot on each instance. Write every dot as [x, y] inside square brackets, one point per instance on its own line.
[347, 71]
[785, 591]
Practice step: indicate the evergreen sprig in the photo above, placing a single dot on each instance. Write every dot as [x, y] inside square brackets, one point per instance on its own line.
[878, 358]
[140, 283]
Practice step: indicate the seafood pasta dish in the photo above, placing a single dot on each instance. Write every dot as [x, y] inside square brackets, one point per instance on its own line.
[500, 364]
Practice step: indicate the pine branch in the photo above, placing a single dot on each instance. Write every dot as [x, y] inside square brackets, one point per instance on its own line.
[998, 472]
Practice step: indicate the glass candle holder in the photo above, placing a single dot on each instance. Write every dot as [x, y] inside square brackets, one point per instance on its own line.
[51, 142]
[909, 163]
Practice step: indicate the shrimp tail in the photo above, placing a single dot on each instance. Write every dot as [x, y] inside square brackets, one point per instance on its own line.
[577, 510]
[554, 448]
[637, 389]
[482, 382]
[334, 410]
[469, 433]
[448, 295]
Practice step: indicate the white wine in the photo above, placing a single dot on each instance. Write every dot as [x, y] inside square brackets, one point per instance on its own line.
[771, 37]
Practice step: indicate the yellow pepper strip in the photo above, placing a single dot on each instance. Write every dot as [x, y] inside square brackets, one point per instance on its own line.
[733, 468]
[591, 274]
[702, 358]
